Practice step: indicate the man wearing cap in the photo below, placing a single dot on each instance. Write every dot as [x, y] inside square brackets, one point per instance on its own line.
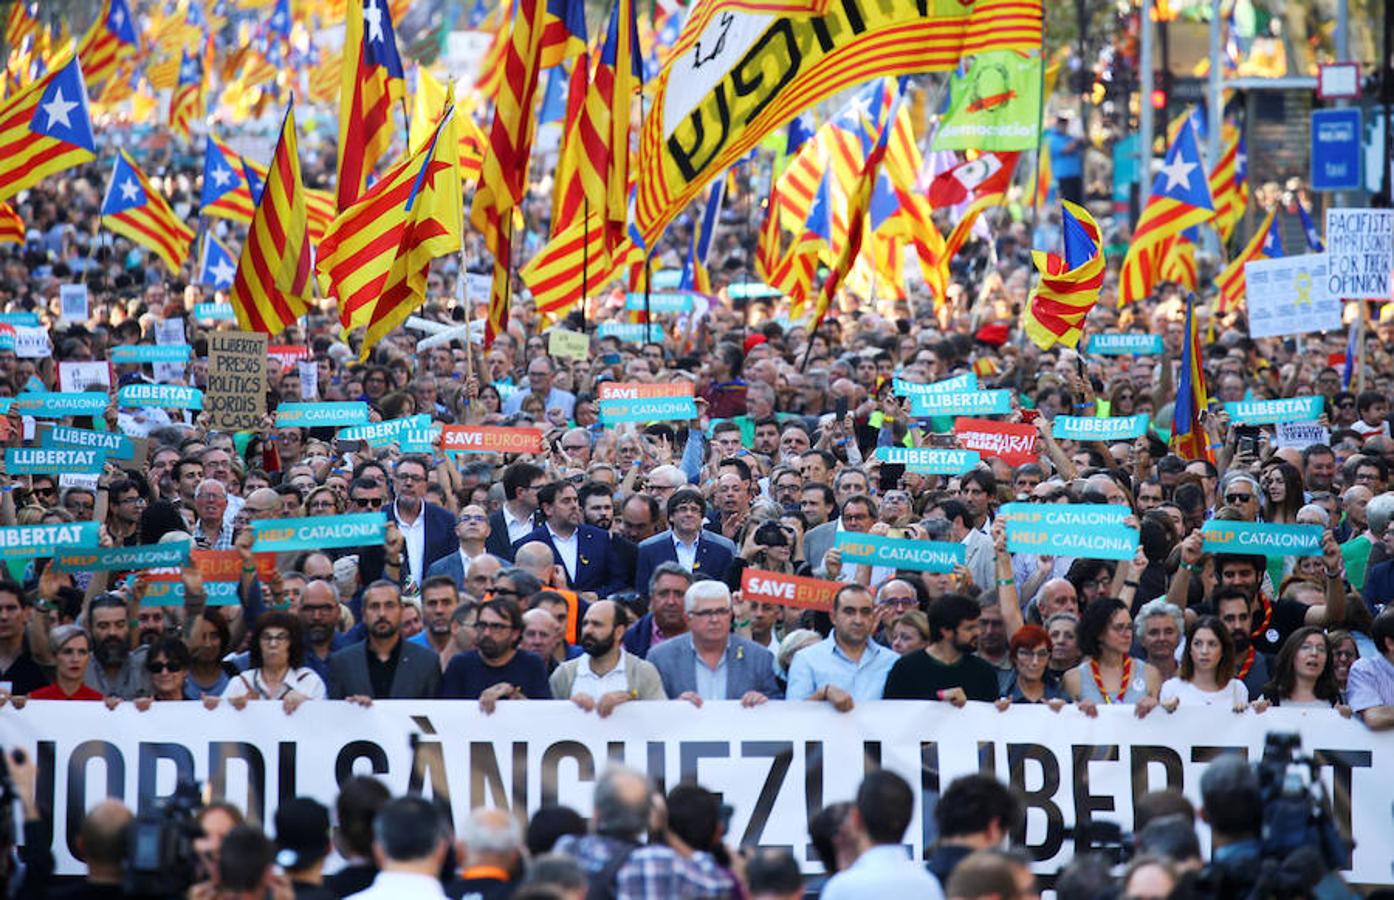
[302, 843]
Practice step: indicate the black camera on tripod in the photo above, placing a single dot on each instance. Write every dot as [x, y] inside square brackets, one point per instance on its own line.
[160, 858]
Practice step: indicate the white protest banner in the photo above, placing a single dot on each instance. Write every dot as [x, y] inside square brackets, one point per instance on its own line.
[32, 343]
[776, 764]
[1300, 435]
[84, 376]
[1289, 296]
[309, 379]
[72, 300]
[1360, 244]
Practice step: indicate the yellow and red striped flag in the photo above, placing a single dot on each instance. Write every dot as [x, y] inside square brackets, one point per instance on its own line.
[1069, 286]
[319, 213]
[1266, 243]
[226, 191]
[374, 258]
[164, 75]
[186, 103]
[45, 128]
[372, 85]
[573, 265]
[272, 285]
[1229, 188]
[1178, 260]
[133, 208]
[110, 41]
[569, 199]
[22, 22]
[504, 173]
[325, 78]
[11, 225]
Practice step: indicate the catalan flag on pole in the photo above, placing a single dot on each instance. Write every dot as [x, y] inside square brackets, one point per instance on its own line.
[563, 31]
[226, 193]
[110, 41]
[605, 161]
[272, 285]
[1068, 287]
[695, 276]
[216, 267]
[45, 128]
[186, 103]
[11, 225]
[1180, 198]
[572, 266]
[1266, 243]
[134, 209]
[794, 273]
[1225, 189]
[372, 86]
[373, 259]
[1188, 439]
[505, 168]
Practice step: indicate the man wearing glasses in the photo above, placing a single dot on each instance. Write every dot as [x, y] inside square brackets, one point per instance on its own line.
[428, 530]
[709, 662]
[125, 506]
[472, 530]
[540, 374]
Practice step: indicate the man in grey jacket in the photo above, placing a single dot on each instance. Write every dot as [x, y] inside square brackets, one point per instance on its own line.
[606, 676]
[709, 662]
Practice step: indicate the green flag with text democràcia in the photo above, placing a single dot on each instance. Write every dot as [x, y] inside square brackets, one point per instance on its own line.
[994, 105]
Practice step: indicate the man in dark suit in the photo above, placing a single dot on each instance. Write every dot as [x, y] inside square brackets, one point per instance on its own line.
[582, 550]
[513, 521]
[472, 529]
[704, 553]
[598, 509]
[384, 667]
[429, 530]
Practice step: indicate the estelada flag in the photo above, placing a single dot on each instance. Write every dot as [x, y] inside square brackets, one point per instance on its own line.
[1068, 287]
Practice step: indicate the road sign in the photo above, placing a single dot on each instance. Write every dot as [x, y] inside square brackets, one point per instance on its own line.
[1336, 149]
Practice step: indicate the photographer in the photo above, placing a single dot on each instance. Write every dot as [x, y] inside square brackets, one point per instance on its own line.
[17, 777]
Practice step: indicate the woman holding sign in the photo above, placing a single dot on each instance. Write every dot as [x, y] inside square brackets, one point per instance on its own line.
[1109, 674]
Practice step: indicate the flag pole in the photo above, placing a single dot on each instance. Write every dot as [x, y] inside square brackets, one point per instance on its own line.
[1360, 346]
[585, 256]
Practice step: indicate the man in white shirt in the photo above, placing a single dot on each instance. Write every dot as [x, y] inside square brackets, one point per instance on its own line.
[513, 521]
[885, 804]
[409, 844]
[606, 676]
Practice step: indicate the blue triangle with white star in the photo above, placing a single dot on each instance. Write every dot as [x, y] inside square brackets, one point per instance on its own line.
[801, 129]
[1273, 242]
[190, 69]
[1182, 177]
[820, 217]
[62, 111]
[254, 183]
[217, 267]
[125, 190]
[219, 178]
[884, 202]
[118, 21]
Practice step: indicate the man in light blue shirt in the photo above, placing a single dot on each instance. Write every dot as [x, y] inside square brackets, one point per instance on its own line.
[848, 665]
[540, 374]
[878, 820]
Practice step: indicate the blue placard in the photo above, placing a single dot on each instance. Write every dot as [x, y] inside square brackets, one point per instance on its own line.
[314, 415]
[1082, 515]
[25, 319]
[54, 405]
[114, 444]
[215, 312]
[1099, 428]
[151, 353]
[1268, 412]
[648, 409]
[930, 460]
[900, 553]
[221, 593]
[1084, 531]
[392, 431]
[665, 302]
[161, 592]
[29, 541]
[752, 290]
[1261, 538]
[1125, 344]
[631, 333]
[53, 461]
[1336, 136]
[961, 403]
[319, 532]
[120, 559]
[160, 396]
[966, 381]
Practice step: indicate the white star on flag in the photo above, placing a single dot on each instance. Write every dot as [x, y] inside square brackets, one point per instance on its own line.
[221, 176]
[129, 190]
[58, 109]
[1178, 172]
[223, 272]
[372, 16]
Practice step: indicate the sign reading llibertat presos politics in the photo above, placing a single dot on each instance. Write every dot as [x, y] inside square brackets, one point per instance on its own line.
[776, 765]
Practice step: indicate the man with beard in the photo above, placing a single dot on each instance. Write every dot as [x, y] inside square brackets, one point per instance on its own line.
[947, 669]
[384, 667]
[319, 614]
[119, 671]
[1250, 666]
[438, 600]
[496, 669]
[598, 509]
[606, 676]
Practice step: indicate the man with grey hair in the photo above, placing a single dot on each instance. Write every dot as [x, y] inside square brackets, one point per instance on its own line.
[1378, 572]
[667, 615]
[490, 848]
[1159, 626]
[1240, 490]
[624, 811]
[709, 662]
[211, 531]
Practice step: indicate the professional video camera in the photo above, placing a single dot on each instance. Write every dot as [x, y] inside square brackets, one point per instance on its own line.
[160, 859]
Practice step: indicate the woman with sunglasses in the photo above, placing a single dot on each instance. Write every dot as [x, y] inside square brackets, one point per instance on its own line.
[1304, 674]
[168, 665]
[278, 669]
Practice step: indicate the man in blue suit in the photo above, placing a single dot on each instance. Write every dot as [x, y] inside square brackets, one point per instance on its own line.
[429, 530]
[584, 551]
[704, 553]
[709, 662]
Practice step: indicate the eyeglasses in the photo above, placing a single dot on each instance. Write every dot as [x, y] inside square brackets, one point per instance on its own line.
[711, 614]
[1238, 498]
[1312, 648]
[409, 477]
[275, 637]
[895, 601]
[494, 626]
[159, 668]
[370, 502]
[573, 447]
[474, 518]
[136, 501]
[1041, 653]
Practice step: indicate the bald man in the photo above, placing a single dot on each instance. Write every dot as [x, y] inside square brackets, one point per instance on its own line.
[101, 841]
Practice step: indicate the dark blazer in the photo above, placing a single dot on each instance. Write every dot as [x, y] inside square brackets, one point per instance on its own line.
[714, 555]
[626, 556]
[596, 567]
[451, 566]
[639, 636]
[497, 543]
[749, 667]
[440, 535]
[416, 678]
